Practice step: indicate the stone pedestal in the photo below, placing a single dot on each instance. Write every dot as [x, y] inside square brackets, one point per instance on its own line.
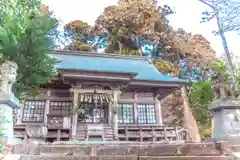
[8, 73]
[226, 119]
[6, 116]
[36, 131]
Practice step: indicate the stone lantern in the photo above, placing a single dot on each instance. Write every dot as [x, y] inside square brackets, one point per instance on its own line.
[8, 74]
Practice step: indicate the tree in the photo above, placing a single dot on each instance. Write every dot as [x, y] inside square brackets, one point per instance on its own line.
[77, 33]
[131, 22]
[26, 33]
[227, 15]
[201, 95]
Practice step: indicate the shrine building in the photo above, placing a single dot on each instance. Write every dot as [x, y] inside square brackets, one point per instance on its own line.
[106, 96]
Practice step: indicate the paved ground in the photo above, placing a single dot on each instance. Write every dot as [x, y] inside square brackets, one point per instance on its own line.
[12, 157]
[237, 155]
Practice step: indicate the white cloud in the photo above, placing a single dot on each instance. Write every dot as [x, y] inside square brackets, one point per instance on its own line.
[188, 16]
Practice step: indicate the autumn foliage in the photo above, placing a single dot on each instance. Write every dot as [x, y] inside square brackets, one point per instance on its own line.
[147, 21]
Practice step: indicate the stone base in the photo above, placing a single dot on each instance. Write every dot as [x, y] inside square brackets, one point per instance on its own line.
[126, 157]
[131, 149]
[36, 131]
[233, 140]
[36, 141]
[226, 118]
[188, 151]
[6, 109]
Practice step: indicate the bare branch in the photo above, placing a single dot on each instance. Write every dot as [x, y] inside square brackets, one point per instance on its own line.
[208, 4]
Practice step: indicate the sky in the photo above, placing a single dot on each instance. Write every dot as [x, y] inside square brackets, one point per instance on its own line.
[188, 17]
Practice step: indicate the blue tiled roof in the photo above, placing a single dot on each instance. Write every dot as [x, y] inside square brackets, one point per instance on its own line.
[144, 69]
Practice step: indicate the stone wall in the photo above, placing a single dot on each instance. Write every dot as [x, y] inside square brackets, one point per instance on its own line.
[125, 151]
[176, 111]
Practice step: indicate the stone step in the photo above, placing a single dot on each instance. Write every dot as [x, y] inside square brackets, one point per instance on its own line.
[60, 157]
[191, 149]
[235, 148]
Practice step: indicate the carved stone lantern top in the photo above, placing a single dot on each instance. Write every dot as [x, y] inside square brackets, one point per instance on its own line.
[8, 74]
[225, 104]
[36, 131]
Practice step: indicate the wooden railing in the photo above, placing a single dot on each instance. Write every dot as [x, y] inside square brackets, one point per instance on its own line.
[151, 133]
[125, 133]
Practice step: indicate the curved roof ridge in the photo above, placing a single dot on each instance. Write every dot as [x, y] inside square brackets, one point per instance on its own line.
[95, 54]
[144, 69]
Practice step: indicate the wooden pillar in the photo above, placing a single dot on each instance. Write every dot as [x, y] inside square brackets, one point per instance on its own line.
[75, 106]
[21, 113]
[116, 94]
[135, 113]
[158, 109]
[47, 107]
[110, 114]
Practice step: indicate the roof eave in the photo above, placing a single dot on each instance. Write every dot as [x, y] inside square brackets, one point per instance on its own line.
[95, 54]
[154, 83]
[81, 71]
[117, 76]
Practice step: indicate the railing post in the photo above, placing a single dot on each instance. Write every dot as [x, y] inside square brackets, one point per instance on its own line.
[140, 134]
[165, 133]
[177, 134]
[126, 133]
[153, 134]
[58, 134]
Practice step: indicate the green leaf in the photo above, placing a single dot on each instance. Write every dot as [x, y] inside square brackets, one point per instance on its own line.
[25, 36]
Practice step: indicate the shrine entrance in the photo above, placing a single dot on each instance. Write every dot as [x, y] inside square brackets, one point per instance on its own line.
[97, 108]
[93, 108]
[93, 113]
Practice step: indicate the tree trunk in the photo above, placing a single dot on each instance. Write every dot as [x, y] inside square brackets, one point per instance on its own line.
[227, 53]
[225, 45]
[139, 46]
[189, 121]
[120, 46]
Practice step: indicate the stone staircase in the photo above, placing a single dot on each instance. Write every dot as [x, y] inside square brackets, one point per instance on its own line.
[85, 132]
[125, 151]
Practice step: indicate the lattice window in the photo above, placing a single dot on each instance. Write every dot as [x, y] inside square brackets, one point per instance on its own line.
[125, 113]
[60, 108]
[146, 114]
[33, 111]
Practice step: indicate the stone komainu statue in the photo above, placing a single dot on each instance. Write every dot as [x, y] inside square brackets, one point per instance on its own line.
[221, 87]
[8, 74]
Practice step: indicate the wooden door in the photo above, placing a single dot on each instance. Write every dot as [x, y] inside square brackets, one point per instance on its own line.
[94, 114]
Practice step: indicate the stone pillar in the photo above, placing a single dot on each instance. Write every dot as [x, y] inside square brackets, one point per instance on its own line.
[6, 118]
[116, 94]
[8, 73]
[226, 119]
[75, 115]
